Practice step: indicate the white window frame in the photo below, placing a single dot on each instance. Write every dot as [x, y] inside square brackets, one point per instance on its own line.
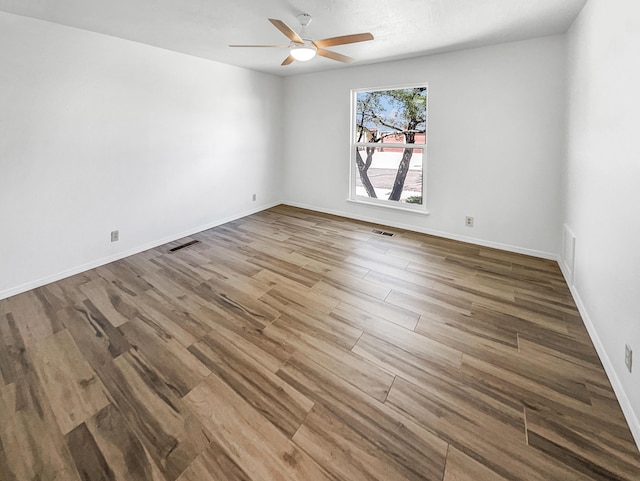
[353, 169]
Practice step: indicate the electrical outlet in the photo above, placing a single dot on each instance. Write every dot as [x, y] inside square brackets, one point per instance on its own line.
[254, 197]
[468, 221]
[628, 357]
[115, 235]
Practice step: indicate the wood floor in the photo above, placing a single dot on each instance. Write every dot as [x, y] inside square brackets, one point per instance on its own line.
[291, 345]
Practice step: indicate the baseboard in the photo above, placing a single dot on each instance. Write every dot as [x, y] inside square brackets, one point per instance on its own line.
[625, 404]
[446, 235]
[121, 255]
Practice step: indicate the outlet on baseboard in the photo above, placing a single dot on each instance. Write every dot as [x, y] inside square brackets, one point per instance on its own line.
[115, 235]
[468, 221]
[628, 357]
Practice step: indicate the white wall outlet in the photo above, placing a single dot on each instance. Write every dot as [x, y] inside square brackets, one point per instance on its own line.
[115, 235]
[628, 357]
[254, 197]
[468, 221]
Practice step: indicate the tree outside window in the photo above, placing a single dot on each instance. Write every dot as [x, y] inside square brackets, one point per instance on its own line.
[389, 146]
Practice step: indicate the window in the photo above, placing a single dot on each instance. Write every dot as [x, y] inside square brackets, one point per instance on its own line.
[389, 147]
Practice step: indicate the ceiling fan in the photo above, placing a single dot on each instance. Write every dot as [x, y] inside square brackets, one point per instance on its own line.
[303, 48]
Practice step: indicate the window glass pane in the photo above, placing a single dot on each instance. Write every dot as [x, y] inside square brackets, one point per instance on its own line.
[398, 116]
[389, 173]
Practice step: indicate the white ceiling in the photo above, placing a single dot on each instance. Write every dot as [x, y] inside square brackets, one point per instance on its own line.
[402, 28]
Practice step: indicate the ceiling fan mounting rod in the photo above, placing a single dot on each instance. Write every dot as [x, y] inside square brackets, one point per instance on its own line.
[304, 19]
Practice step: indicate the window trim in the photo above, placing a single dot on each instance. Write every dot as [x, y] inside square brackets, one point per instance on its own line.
[353, 170]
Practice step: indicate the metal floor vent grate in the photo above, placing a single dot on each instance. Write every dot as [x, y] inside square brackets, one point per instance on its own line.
[182, 246]
[383, 232]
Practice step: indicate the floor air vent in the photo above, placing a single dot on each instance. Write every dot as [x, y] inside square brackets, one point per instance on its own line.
[382, 232]
[182, 246]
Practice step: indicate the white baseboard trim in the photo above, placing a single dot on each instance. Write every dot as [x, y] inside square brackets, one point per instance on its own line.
[446, 235]
[625, 404]
[121, 255]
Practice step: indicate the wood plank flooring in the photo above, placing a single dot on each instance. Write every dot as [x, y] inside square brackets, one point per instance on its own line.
[291, 345]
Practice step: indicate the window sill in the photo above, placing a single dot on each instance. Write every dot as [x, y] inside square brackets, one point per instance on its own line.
[387, 205]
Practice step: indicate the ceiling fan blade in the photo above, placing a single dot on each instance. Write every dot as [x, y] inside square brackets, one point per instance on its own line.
[288, 60]
[284, 28]
[263, 46]
[334, 56]
[344, 39]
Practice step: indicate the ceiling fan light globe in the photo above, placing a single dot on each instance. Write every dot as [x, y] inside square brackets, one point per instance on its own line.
[303, 53]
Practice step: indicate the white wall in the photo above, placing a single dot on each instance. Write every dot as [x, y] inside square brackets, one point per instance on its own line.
[496, 136]
[98, 134]
[603, 184]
